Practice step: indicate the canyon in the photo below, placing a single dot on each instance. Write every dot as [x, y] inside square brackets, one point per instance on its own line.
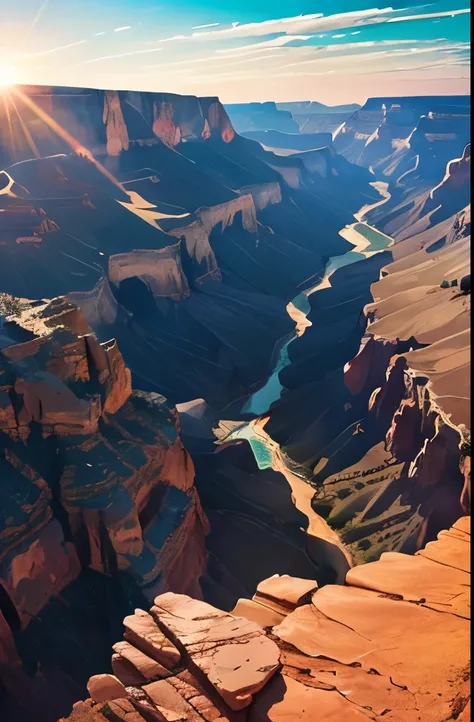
[235, 391]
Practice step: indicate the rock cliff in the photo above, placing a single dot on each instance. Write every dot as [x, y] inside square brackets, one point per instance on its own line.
[320, 368]
[105, 121]
[95, 475]
[314, 117]
[388, 133]
[274, 139]
[428, 215]
[163, 225]
[354, 652]
[261, 116]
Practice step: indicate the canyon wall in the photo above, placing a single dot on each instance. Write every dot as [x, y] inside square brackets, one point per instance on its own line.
[105, 121]
[182, 259]
[130, 218]
[261, 116]
[381, 125]
[96, 477]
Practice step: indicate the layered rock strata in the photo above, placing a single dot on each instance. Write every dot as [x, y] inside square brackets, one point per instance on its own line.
[388, 133]
[359, 651]
[96, 476]
[105, 121]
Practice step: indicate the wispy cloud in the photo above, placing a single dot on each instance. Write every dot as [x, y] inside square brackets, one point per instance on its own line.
[351, 59]
[296, 24]
[173, 38]
[38, 15]
[213, 65]
[53, 50]
[211, 59]
[275, 43]
[118, 55]
[428, 16]
[209, 25]
[313, 23]
[255, 59]
[378, 61]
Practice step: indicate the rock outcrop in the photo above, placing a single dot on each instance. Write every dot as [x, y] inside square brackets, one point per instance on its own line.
[390, 644]
[96, 476]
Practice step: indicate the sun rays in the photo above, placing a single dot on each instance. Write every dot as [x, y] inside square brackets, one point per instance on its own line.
[110, 49]
[9, 75]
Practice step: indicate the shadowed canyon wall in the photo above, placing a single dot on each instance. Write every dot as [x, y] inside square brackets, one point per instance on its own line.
[156, 259]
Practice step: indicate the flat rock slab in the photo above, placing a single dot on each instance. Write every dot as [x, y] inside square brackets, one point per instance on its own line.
[142, 632]
[286, 700]
[257, 612]
[376, 648]
[170, 703]
[448, 550]
[463, 524]
[368, 691]
[145, 665]
[317, 636]
[233, 653]
[289, 591]
[415, 579]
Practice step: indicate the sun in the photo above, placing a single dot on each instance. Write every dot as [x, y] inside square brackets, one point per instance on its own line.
[8, 75]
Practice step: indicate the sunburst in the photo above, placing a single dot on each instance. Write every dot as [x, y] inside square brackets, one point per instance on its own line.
[9, 75]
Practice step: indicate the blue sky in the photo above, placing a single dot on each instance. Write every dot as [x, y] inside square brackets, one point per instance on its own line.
[335, 51]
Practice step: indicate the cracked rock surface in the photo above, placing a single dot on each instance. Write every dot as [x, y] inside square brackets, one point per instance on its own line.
[390, 645]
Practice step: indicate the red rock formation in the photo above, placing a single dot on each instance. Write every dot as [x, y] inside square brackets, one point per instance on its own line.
[163, 125]
[75, 434]
[392, 644]
[217, 118]
[116, 130]
[364, 370]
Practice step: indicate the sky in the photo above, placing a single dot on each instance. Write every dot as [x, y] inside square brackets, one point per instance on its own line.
[332, 51]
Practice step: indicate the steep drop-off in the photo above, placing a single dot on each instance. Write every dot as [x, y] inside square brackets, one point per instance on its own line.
[319, 367]
[96, 485]
[211, 219]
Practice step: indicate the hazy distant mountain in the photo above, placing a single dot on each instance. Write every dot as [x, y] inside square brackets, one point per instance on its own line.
[301, 117]
[311, 107]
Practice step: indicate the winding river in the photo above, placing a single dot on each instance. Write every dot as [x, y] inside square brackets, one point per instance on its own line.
[367, 241]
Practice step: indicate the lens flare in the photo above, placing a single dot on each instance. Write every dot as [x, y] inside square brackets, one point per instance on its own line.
[8, 75]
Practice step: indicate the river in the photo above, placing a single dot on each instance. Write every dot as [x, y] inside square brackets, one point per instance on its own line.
[366, 241]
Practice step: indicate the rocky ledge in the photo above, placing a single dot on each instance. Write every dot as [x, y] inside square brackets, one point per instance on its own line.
[391, 644]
